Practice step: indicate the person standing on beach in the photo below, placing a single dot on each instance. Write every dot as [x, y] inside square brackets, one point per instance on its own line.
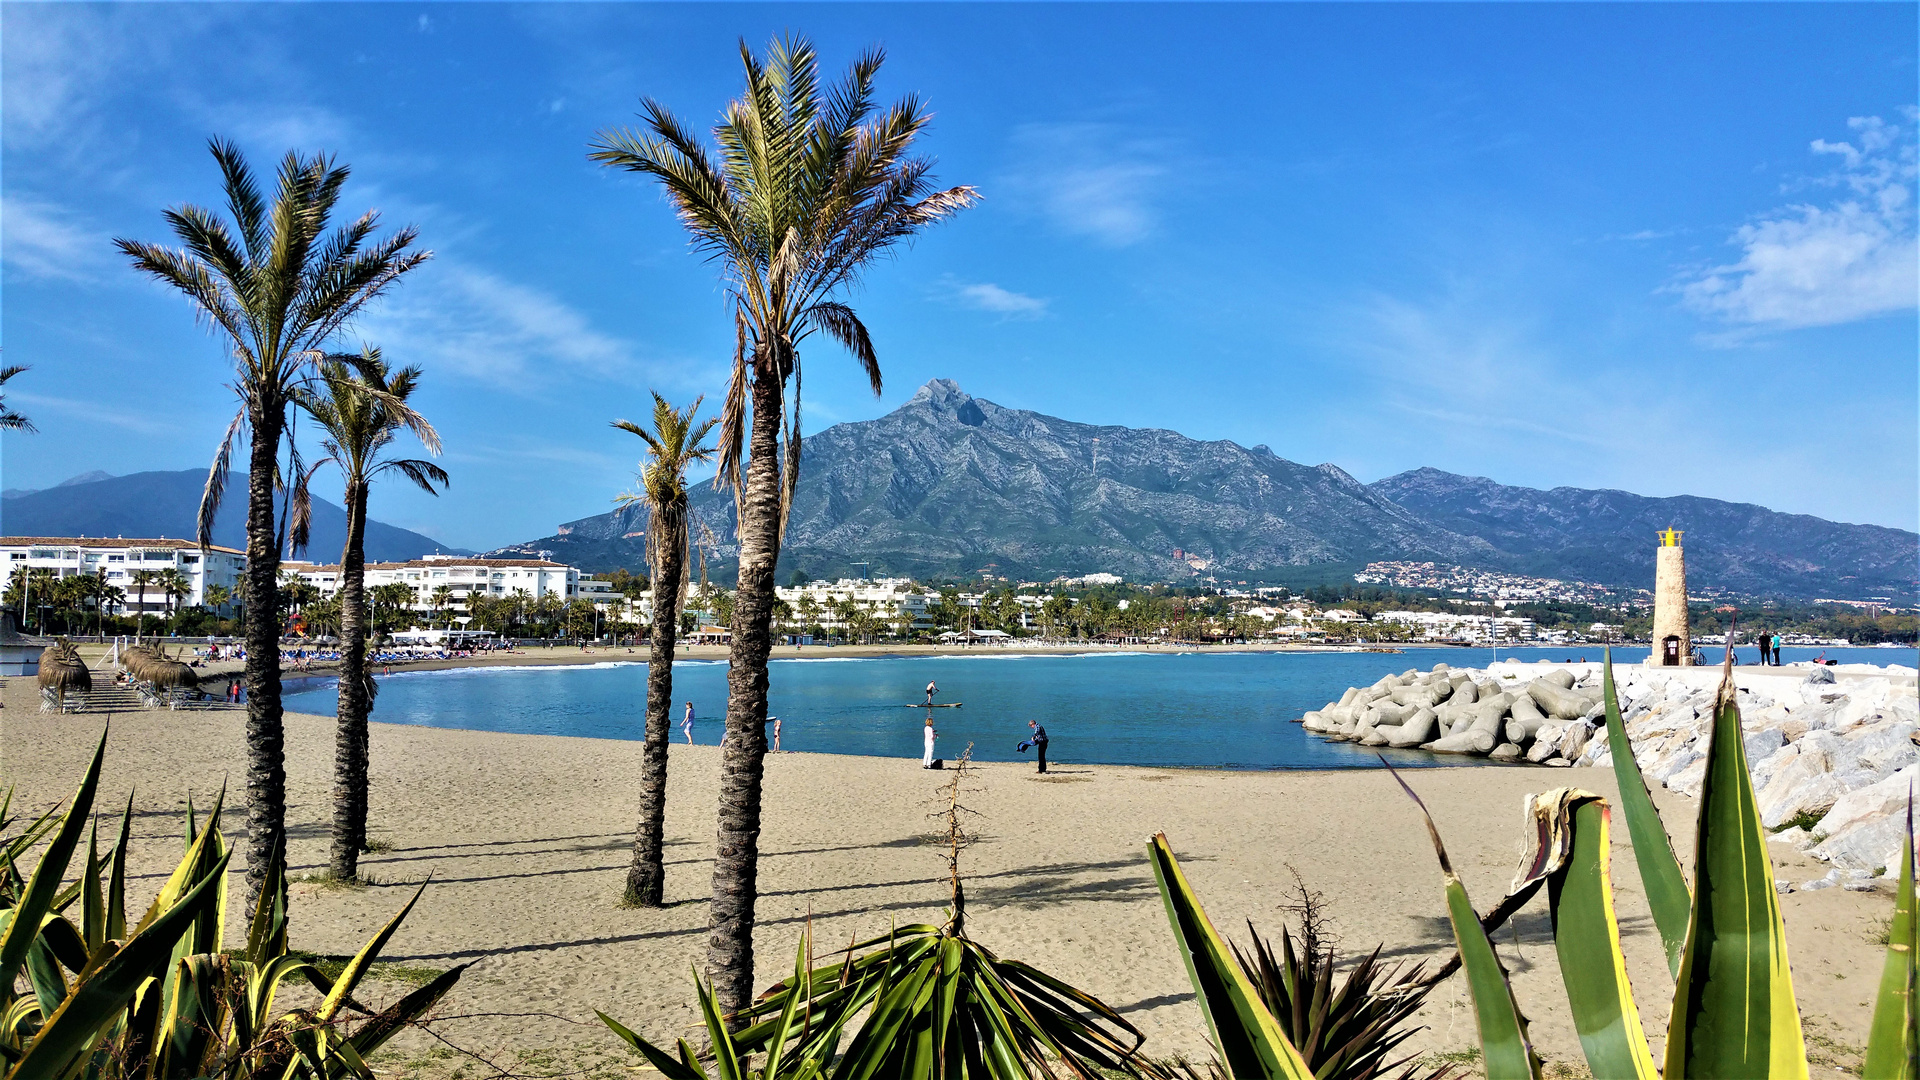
[931, 690]
[686, 724]
[1039, 742]
[926, 758]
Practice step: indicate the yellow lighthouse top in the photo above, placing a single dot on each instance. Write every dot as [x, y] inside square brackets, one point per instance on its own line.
[1670, 537]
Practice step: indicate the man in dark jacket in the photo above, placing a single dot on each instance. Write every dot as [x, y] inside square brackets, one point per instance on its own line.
[1039, 742]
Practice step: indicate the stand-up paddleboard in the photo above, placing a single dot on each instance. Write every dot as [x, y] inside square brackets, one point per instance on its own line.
[942, 705]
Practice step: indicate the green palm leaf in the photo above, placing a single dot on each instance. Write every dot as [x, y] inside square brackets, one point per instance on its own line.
[1660, 874]
[1247, 1036]
[1733, 1008]
[1893, 1042]
[1504, 1046]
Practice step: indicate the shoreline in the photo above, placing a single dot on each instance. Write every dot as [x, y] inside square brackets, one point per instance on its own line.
[526, 840]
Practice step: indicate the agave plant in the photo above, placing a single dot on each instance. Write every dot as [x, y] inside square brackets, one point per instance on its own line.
[159, 1000]
[936, 1004]
[1733, 1011]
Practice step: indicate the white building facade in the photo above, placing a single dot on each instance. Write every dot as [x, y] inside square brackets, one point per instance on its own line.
[886, 600]
[117, 561]
[462, 575]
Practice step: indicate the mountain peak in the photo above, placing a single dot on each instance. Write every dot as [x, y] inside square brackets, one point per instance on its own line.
[946, 395]
[940, 392]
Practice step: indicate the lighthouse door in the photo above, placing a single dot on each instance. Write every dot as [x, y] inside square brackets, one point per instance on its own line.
[1670, 651]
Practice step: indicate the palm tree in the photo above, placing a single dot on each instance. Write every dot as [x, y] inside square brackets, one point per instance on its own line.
[277, 286]
[217, 597]
[360, 407]
[442, 601]
[808, 188]
[10, 420]
[675, 442]
[176, 586]
[141, 580]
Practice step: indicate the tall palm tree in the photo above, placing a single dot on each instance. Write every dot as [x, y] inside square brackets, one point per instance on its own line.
[360, 406]
[442, 600]
[10, 420]
[676, 441]
[808, 187]
[141, 580]
[277, 286]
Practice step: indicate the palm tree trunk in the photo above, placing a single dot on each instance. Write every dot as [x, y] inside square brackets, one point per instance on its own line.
[266, 739]
[743, 749]
[350, 731]
[646, 878]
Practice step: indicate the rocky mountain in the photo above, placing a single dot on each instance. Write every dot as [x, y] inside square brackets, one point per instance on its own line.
[158, 504]
[950, 484]
[1605, 536]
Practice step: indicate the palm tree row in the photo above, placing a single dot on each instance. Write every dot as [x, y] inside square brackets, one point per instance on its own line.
[805, 188]
[278, 284]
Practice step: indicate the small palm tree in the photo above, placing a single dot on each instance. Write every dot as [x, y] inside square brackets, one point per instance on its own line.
[809, 187]
[443, 604]
[141, 580]
[361, 407]
[176, 586]
[675, 442]
[10, 420]
[277, 286]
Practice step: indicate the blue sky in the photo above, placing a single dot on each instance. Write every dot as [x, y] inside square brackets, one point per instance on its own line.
[1669, 249]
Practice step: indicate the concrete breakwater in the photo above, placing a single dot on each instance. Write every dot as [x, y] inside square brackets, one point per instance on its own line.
[1832, 751]
[1546, 717]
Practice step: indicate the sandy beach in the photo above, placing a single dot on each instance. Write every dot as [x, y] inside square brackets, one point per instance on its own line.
[525, 839]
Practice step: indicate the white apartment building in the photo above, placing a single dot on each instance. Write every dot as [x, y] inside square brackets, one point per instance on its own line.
[1453, 626]
[465, 575]
[118, 559]
[818, 603]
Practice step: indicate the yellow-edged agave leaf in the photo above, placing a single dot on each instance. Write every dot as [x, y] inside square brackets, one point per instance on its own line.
[1504, 1049]
[36, 897]
[1586, 936]
[1660, 874]
[1248, 1037]
[1733, 1010]
[1893, 1043]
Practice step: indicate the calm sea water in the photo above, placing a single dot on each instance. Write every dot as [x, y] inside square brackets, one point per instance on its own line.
[1222, 710]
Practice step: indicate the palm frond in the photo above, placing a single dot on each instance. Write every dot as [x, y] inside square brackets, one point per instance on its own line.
[216, 486]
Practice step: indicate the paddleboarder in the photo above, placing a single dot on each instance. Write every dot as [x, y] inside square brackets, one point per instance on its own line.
[1039, 742]
[931, 690]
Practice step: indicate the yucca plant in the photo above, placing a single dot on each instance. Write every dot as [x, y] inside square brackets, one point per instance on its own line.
[159, 1000]
[936, 1004]
[1733, 1012]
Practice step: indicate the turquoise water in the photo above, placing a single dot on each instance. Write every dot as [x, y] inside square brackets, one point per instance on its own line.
[1221, 710]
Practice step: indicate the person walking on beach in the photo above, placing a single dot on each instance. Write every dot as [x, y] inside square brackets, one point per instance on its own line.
[1039, 741]
[926, 757]
[931, 690]
[686, 724]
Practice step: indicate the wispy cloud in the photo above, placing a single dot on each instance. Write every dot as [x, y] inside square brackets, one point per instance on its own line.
[1091, 179]
[476, 323]
[1809, 264]
[42, 240]
[95, 412]
[986, 296]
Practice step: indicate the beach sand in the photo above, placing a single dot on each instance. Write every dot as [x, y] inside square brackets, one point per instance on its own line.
[526, 840]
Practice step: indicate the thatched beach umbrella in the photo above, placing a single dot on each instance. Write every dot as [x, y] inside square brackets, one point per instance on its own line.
[169, 674]
[61, 670]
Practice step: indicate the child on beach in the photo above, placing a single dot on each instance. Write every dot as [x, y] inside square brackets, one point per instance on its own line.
[686, 724]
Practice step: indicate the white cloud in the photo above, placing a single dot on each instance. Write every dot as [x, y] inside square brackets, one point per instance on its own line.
[1091, 179]
[144, 422]
[476, 323]
[40, 240]
[986, 296]
[1819, 265]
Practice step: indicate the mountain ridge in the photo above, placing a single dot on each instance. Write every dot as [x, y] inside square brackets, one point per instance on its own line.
[167, 503]
[952, 485]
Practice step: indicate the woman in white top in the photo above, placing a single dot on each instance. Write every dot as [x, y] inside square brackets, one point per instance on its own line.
[926, 759]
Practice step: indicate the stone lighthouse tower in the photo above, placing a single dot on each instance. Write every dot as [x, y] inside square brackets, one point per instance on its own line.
[1672, 642]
